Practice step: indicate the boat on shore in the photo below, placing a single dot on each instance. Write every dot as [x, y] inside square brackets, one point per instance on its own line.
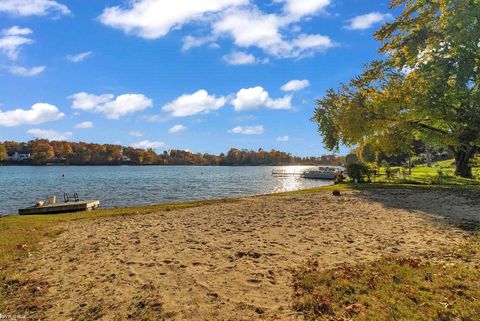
[320, 172]
[324, 172]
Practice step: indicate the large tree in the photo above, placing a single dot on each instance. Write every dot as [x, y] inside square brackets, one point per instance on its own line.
[3, 153]
[426, 88]
[42, 151]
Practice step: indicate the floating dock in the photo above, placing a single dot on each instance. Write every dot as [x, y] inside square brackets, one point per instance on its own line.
[286, 173]
[58, 208]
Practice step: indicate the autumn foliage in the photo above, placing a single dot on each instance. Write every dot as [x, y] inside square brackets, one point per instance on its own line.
[44, 152]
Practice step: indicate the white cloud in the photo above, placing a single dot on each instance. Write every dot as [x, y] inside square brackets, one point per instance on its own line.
[309, 44]
[38, 114]
[109, 105]
[176, 129]
[257, 97]
[300, 8]
[32, 7]
[135, 133]
[26, 72]
[254, 28]
[49, 134]
[79, 57]
[146, 144]
[295, 85]
[197, 103]
[190, 42]
[17, 31]
[84, 125]
[248, 130]
[239, 58]
[13, 39]
[241, 20]
[367, 21]
[152, 19]
[283, 139]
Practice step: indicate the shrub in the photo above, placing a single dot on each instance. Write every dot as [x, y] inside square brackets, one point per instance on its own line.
[356, 171]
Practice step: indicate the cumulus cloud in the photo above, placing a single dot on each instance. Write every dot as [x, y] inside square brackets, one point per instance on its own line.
[283, 139]
[240, 58]
[84, 125]
[248, 130]
[197, 103]
[37, 114]
[26, 72]
[176, 129]
[13, 39]
[79, 57]
[135, 133]
[146, 144]
[257, 97]
[109, 105]
[33, 7]
[368, 20]
[241, 20]
[152, 19]
[17, 31]
[49, 134]
[295, 85]
[252, 27]
[300, 8]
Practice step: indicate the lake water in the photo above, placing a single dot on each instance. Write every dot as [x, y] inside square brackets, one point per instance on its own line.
[118, 186]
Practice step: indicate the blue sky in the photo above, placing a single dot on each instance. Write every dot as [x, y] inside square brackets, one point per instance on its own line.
[198, 75]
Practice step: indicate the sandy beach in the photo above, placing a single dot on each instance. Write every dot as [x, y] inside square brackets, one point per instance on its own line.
[233, 261]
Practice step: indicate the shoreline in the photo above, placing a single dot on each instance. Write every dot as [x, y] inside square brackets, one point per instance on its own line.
[322, 188]
[232, 258]
[129, 186]
[167, 203]
[162, 165]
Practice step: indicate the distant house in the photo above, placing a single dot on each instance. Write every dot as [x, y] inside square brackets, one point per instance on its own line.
[17, 157]
[124, 158]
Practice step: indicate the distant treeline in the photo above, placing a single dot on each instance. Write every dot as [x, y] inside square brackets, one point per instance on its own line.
[43, 152]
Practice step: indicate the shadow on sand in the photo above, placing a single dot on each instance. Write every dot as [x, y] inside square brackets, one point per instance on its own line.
[457, 207]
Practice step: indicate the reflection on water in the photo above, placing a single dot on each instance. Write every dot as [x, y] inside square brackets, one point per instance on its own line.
[116, 186]
[289, 183]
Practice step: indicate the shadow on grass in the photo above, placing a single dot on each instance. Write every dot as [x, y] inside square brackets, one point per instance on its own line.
[440, 287]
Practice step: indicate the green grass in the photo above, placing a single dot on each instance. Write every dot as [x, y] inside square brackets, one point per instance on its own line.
[440, 173]
[444, 288]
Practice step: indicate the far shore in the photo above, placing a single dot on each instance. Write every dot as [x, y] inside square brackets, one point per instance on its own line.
[229, 259]
[147, 165]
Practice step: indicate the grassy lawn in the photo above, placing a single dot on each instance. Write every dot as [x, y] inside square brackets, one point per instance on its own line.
[440, 173]
[442, 288]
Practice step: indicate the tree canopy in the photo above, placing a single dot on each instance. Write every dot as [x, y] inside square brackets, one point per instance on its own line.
[425, 88]
[80, 153]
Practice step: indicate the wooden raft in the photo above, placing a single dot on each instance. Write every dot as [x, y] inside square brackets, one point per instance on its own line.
[57, 208]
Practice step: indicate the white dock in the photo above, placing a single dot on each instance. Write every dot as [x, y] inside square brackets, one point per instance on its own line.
[58, 208]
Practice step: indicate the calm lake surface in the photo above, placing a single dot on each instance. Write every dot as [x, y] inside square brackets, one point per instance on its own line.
[118, 186]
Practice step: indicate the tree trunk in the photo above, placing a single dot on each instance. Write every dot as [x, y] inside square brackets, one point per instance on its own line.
[409, 164]
[463, 158]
